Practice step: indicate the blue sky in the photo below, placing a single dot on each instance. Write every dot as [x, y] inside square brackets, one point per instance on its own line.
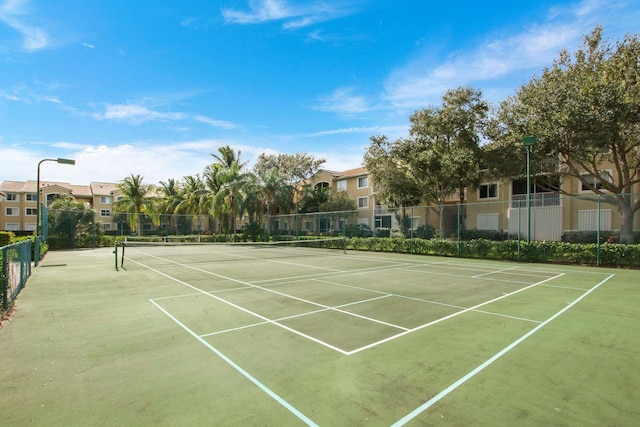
[152, 87]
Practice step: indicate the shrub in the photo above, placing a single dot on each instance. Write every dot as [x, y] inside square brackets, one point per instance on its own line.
[6, 238]
[610, 254]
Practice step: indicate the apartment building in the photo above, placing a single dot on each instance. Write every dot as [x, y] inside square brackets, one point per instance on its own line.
[494, 205]
[18, 206]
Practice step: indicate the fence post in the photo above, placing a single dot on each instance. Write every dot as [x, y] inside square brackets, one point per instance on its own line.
[458, 230]
[598, 236]
[4, 279]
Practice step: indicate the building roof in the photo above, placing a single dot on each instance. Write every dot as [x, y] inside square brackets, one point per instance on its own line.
[353, 172]
[30, 187]
[103, 188]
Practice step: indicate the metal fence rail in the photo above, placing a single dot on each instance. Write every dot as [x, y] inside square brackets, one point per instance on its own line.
[16, 269]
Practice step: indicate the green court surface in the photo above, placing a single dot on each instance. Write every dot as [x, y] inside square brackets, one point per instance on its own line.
[239, 335]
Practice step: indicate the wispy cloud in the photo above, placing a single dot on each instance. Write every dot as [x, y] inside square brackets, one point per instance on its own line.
[13, 13]
[367, 130]
[489, 64]
[293, 15]
[25, 95]
[223, 124]
[344, 101]
[138, 114]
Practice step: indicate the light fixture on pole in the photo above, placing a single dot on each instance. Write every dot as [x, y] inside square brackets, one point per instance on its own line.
[528, 142]
[58, 160]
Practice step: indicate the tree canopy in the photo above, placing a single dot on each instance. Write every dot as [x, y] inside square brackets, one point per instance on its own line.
[440, 156]
[585, 112]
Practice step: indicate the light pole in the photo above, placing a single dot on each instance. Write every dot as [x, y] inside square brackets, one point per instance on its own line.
[528, 142]
[58, 160]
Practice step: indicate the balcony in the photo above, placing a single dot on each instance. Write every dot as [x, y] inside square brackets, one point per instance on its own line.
[537, 200]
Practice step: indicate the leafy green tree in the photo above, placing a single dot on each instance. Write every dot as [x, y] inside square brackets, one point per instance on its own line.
[312, 198]
[68, 221]
[338, 201]
[585, 112]
[441, 156]
[137, 200]
[294, 168]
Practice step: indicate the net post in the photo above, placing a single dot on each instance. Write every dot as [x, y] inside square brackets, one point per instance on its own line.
[122, 256]
[115, 252]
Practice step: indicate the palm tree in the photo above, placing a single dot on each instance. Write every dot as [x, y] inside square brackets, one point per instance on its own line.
[228, 157]
[227, 180]
[193, 197]
[277, 195]
[136, 200]
[227, 202]
[171, 197]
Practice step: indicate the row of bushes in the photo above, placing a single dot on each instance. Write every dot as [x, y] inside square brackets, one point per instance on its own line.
[610, 254]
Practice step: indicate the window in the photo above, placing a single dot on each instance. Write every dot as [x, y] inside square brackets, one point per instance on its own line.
[383, 221]
[30, 226]
[119, 198]
[12, 197]
[105, 200]
[321, 185]
[11, 211]
[32, 211]
[590, 181]
[106, 227]
[32, 197]
[363, 182]
[363, 202]
[105, 212]
[342, 185]
[12, 226]
[488, 191]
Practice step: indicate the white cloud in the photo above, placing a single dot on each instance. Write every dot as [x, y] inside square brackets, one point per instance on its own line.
[421, 82]
[26, 95]
[223, 124]
[295, 15]
[344, 101]
[34, 37]
[368, 130]
[137, 114]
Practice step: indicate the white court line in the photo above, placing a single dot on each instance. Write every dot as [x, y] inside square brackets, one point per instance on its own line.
[244, 373]
[493, 272]
[457, 313]
[428, 301]
[435, 399]
[308, 313]
[243, 309]
[281, 294]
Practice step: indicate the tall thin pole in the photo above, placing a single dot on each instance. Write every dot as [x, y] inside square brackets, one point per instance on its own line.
[58, 160]
[528, 194]
[528, 141]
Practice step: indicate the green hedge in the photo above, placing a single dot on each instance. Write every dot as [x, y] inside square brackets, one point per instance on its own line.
[611, 254]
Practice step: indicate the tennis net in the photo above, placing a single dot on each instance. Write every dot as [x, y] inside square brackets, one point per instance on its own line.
[188, 250]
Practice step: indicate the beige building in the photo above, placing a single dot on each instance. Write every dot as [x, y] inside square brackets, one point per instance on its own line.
[18, 209]
[496, 205]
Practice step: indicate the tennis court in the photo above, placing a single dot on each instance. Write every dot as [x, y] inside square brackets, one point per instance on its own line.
[291, 335]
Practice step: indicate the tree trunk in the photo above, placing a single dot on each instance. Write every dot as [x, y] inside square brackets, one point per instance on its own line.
[626, 222]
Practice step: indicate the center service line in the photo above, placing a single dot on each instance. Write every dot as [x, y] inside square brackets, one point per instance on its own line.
[435, 399]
